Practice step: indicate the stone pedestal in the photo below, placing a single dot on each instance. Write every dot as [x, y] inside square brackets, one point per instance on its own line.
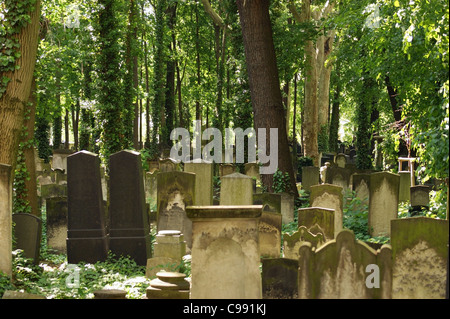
[168, 285]
[225, 252]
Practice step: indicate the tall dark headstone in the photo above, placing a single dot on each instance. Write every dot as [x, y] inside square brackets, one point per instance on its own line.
[129, 233]
[27, 232]
[87, 238]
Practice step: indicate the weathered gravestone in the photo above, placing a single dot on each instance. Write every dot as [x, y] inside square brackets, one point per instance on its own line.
[27, 232]
[310, 177]
[87, 239]
[168, 165]
[226, 169]
[343, 268]
[292, 242]
[56, 210]
[203, 182]
[236, 189]
[329, 196]
[6, 192]
[287, 207]
[420, 195]
[53, 190]
[420, 256]
[361, 186]
[340, 160]
[318, 220]
[59, 159]
[383, 202]
[279, 278]
[339, 176]
[405, 184]
[129, 233]
[176, 191]
[269, 224]
[225, 252]
[252, 170]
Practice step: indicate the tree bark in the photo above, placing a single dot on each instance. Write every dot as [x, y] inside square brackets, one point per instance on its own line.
[264, 82]
[12, 102]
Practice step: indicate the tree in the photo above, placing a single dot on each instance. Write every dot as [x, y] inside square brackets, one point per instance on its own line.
[264, 81]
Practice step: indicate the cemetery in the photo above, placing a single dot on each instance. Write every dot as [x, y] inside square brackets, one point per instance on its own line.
[253, 151]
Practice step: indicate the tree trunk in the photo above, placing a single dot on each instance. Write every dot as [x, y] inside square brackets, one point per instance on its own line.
[264, 82]
[13, 100]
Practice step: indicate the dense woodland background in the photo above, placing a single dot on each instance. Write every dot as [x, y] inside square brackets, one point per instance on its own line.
[108, 75]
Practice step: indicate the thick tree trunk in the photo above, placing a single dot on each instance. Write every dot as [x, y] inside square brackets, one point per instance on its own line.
[264, 81]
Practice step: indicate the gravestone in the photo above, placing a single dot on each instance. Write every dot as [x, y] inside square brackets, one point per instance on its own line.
[420, 195]
[13, 294]
[6, 193]
[225, 252]
[203, 182]
[176, 191]
[269, 224]
[338, 270]
[329, 196]
[53, 190]
[383, 202]
[293, 241]
[27, 232]
[226, 169]
[318, 220]
[56, 210]
[340, 160]
[404, 188]
[129, 233]
[287, 207]
[151, 189]
[236, 189]
[310, 177]
[252, 170]
[339, 176]
[59, 159]
[279, 278]
[420, 256]
[168, 165]
[361, 186]
[87, 240]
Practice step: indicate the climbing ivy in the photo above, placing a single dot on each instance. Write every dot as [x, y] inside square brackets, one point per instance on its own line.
[15, 15]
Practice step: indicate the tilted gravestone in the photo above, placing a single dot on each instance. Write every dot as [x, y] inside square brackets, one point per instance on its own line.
[329, 196]
[225, 252]
[129, 233]
[383, 202]
[176, 191]
[269, 224]
[56, 210]
[318, 220]
[203, 182]
[287, 208]
[87, 240]
[279, 278]
[420, 256]
[343, 268]
[27, 232]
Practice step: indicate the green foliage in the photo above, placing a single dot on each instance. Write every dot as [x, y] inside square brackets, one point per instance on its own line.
[281, 181]
[323, 139]
[356, 217]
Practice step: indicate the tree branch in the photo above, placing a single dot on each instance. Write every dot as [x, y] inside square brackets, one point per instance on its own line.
[297, 16]
[214, 16]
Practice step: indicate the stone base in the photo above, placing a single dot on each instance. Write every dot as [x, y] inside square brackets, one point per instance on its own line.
[137, 248]
[88, 250]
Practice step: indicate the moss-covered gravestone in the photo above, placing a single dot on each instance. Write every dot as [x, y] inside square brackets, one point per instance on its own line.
[87, 239]
[27, 231]
[292, 242]
[383, 202]
[420, 256]
[56, 210]
[176, 191]
[279, 278]
[310, 177]
[203, 182]
[129, 233]
[329, 196]
[236, 189]
[318, 220]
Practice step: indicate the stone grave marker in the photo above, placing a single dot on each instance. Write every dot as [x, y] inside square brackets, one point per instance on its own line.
[236, 189]
[292, 242]
[129, 233]
[420, 256]
[361, 186]
[176, 191]
[87, 239]
[252, 170]
[56, 210]
[329, 196]
[203, 182]
[340, 160]
[339, 176]
[420, 195]
[279, 278]
[310, 177]
[287, 207]
[338, 270]
[6, 193]
[226, 169]
[383, 202]
[168, 165]
[269, 224]
[225, 252]
[59, 159]
[404, 188]
[27, 231]
[318, 220]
